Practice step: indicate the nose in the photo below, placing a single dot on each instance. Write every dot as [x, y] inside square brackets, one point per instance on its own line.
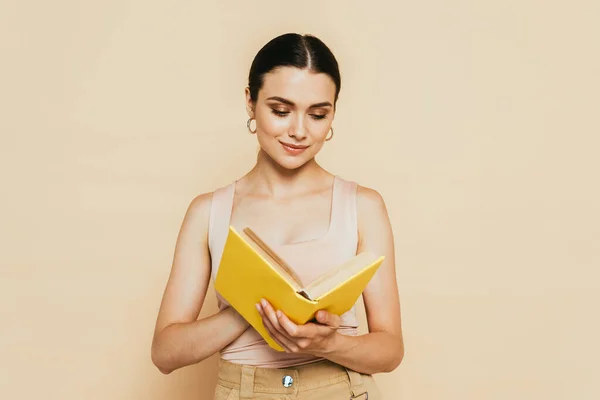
[297, 128]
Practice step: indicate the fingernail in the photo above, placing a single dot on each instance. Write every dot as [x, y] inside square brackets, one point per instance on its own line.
[263, 302]
[279, 314]
[257, 306]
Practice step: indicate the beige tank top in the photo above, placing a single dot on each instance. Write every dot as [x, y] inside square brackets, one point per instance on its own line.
[309, 259]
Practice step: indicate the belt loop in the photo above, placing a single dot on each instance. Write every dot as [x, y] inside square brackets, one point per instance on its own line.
[247, 382]
[357, 387]
[297, 380]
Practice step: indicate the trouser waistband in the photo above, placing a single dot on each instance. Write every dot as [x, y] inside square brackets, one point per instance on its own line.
[250, 379]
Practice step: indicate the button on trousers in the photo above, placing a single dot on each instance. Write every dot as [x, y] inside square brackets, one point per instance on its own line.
[322, 380]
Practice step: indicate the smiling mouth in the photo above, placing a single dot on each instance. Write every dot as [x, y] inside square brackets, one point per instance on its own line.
[294, 146]
[293, 149]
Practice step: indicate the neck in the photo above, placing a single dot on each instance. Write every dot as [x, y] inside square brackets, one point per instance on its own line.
[273, 180]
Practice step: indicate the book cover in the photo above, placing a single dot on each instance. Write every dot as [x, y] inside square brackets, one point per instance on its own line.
[250, 271]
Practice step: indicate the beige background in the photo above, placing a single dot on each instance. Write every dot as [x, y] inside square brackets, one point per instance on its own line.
[477, 121]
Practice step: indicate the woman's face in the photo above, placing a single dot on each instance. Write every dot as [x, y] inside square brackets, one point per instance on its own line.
[293, 112]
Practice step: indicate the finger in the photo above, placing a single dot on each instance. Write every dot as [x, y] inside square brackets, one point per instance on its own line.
[270, 313]
[304, 334]
[295, 331]
[288, 326]
[307, 335]
[329, 319]
[269, 327]
[288, 345]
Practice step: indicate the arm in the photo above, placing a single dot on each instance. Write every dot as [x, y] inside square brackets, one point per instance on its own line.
[382, 349]
[179, 338]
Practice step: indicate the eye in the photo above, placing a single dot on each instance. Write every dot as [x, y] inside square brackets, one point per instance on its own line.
[318, 117]
[280, 113]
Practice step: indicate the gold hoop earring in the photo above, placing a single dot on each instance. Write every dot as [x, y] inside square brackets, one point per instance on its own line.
[329, 138]
[248, 125]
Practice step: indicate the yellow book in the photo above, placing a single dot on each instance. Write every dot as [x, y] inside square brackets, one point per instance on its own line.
[250, 271]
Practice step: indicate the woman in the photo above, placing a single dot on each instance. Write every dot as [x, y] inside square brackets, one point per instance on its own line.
[314, 219]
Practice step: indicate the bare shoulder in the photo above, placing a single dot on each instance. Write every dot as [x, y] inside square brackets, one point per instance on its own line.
[372, 214]
[200, 204]
[369, 202]
[196, 219]
[369, 198]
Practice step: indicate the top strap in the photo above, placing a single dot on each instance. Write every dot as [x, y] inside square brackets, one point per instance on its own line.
[218, 225]
[344, 213]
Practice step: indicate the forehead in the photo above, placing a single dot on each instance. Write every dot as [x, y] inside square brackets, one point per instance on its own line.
[301, 86]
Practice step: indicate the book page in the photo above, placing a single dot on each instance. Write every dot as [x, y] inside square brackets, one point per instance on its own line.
[277, 261]
[339, 274]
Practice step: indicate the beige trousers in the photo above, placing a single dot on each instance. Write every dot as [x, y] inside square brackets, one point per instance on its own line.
[322, 380]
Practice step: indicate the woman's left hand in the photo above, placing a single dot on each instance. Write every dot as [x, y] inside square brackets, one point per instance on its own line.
[311, 338]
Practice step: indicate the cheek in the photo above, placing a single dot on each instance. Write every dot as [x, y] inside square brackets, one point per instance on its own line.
[319, 130]
[317, 146]
[272, 125]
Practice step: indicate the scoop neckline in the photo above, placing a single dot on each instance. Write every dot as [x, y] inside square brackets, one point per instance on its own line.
[333, 198]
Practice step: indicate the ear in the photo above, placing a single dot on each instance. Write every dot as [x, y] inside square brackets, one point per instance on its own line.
[249, 103]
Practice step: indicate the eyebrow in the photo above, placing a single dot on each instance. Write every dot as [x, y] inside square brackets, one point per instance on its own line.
[291, 103]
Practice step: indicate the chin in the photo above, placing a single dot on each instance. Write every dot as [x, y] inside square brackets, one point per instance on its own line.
[291, 163]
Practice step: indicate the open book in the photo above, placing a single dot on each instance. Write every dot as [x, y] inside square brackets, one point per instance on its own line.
[250, 271]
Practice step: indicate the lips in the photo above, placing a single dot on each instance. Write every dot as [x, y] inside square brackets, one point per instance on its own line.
[293, 149]
[294, 146]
